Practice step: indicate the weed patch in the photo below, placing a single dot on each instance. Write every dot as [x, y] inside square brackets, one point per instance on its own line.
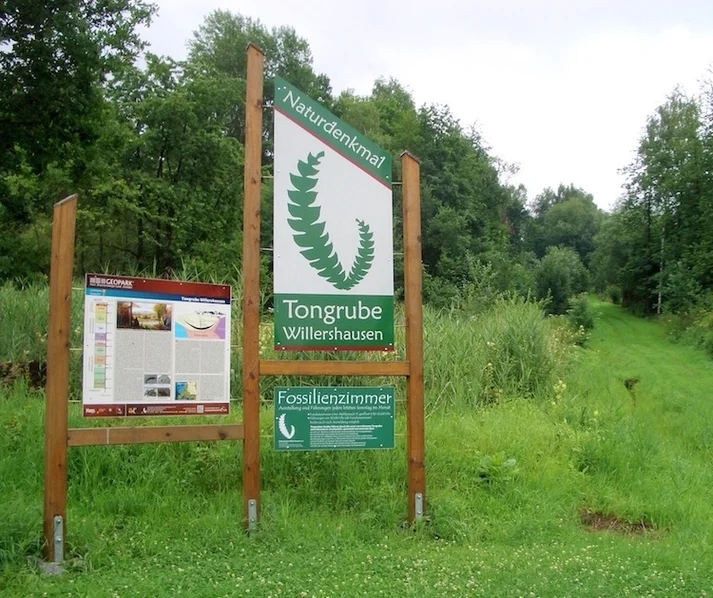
[35, 372]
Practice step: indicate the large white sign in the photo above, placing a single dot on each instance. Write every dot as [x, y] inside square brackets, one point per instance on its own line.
[333, 231]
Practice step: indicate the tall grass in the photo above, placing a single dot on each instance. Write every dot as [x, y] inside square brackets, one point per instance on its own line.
[521, 349]
[511, 349]
[24, 318]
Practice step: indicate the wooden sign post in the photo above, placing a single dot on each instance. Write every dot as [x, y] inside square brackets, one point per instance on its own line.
[251, 288]
[58, 436]
[57, 401]
[294, 106]
[413, 284]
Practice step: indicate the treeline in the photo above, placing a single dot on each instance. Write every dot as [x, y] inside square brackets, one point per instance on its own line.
[154, 147]
[655, 250]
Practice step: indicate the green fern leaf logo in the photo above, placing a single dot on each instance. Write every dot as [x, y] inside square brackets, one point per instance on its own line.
[309, 233]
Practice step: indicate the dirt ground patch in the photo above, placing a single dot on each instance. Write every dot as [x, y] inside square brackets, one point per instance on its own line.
[596, 521]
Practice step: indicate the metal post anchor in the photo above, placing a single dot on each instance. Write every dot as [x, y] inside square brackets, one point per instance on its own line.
[252, 514]
[58, 539]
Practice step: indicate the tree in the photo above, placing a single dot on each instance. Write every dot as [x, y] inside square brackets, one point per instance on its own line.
[566, 218]
[218, 46]
[516, 218]
[559, 276]
[218, 50]
[469, 218]
[463, 202]
[665, 207]
[55, 59]
[172, 188]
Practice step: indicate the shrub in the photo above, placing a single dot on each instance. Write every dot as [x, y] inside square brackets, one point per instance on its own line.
[613, 292]
[700, 333]
[681, 291]
[560, 275]
[438, 292]
[580, 313]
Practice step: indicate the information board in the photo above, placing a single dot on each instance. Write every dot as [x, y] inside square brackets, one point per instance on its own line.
[322, 418]
[333, 231]
[155, 347]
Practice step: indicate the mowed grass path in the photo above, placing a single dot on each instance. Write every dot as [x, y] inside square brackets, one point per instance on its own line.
[493, 530]
[637, 345]
[672, 384]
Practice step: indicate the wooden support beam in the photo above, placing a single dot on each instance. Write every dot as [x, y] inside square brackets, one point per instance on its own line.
[415, 434]
[146, 435]
[57, 394]
[281, 367]
[251, 285]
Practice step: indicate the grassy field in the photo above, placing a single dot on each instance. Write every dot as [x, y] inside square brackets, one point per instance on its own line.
[586, 473]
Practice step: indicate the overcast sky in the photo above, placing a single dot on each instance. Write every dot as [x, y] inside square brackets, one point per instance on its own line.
[560, 87]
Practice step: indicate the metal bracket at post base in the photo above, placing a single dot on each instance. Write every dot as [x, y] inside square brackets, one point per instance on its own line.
[252, 514]
[58, 539]
[418, 498]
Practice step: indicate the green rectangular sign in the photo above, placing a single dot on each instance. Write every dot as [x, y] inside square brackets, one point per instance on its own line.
[312, 418]
[334, 322]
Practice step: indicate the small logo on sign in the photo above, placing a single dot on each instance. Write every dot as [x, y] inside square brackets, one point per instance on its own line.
[283, 427]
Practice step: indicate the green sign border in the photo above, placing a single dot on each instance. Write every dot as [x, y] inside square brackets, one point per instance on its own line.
[354, 408]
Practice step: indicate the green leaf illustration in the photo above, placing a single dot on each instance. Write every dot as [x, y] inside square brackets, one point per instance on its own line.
[364, 257]
[311, 236]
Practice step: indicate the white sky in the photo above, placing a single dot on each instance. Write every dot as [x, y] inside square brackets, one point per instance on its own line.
[560, 87]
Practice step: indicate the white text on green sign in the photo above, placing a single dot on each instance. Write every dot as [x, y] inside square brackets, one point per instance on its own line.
[323, 418]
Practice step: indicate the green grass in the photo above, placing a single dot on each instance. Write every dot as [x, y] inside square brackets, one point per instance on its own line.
[507, 480]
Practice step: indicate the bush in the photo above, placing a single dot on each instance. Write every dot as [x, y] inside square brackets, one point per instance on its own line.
[560, 275]
[694, 324]
[681, 292]
[438, 292]
[613, 292]
[700, 333]
[580, 314]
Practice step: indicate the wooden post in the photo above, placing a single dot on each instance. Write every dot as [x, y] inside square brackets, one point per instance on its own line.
[251, 287]
[57, 389]
[415, 436]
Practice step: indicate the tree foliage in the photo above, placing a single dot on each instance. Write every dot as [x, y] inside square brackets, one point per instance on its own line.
[154, 147]
[656, 239]
[54, 61]
[567, 217]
